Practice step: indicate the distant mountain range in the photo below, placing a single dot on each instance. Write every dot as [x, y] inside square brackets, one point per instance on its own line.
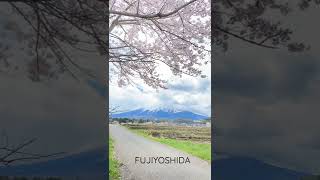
[159, 114]
[242, 168]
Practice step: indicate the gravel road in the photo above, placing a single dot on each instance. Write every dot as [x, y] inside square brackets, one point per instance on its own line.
[129, 147]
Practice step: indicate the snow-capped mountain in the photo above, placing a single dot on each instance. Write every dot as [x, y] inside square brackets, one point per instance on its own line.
[160, 113]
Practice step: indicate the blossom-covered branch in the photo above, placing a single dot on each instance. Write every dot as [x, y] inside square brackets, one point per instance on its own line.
[144, 34]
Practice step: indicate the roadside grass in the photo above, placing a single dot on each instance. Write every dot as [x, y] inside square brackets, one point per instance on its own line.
[200, 150]
[114, 173]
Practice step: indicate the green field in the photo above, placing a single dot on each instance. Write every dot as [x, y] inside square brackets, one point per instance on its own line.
[197, 142]
[114, 173]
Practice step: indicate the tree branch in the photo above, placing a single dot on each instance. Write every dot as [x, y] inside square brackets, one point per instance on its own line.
[244, 39]
[151, 16]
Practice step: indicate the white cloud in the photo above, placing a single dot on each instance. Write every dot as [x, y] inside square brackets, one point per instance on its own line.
[183, 93]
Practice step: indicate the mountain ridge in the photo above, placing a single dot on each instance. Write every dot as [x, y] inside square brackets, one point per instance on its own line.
[160, 113]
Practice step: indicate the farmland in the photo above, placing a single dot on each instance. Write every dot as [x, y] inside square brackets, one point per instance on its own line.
[193, 140]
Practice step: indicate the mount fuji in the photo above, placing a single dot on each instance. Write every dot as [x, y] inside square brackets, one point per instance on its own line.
[158, 114]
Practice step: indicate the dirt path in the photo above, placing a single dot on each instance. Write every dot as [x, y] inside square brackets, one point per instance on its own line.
[129, 147]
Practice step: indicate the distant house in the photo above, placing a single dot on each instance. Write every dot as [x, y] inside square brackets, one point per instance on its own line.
[115, 122]
[208, 124]
[148, 122]
[163, 123]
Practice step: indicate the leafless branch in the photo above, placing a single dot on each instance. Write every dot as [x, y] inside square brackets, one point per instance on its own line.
[10, 155]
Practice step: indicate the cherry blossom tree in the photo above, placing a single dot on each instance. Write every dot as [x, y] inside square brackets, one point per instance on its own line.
[142, 34]
[55, 31]
[248, 21]
[178, 33]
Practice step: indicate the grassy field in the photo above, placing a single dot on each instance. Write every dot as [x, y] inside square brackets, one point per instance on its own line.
[114, 173]
[193, 140]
